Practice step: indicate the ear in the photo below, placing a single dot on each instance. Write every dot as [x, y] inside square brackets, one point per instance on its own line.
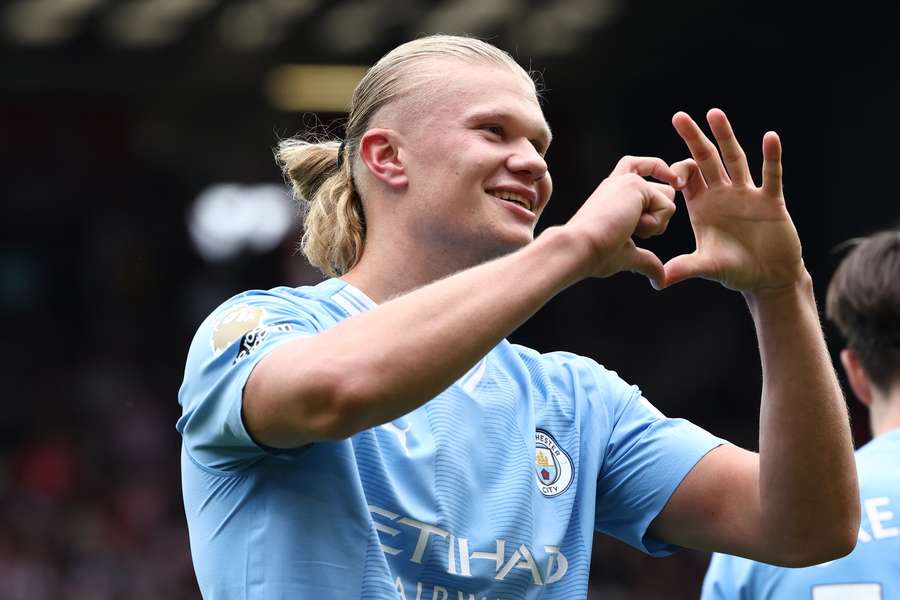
[379, 150]
[859, 379]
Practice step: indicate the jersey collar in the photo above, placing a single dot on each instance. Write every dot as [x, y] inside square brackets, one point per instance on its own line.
[352, 299]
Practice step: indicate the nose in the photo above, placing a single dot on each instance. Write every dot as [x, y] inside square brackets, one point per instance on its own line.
[527, 161]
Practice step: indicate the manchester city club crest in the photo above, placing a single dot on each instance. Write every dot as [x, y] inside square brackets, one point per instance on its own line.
[552, 465]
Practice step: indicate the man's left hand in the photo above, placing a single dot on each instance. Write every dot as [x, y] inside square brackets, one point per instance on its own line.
[744, 235]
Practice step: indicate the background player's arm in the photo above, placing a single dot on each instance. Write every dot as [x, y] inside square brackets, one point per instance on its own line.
[375, 367]
[796, 502]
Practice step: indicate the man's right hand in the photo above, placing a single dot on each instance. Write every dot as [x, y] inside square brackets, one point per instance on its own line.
[623, 205]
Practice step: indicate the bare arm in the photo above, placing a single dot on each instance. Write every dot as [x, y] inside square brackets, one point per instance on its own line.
[375, 367]
[796, 502]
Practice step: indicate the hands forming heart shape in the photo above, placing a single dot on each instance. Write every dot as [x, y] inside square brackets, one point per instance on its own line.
[744, 236]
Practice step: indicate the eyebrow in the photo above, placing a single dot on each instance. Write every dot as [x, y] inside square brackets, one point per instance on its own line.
[545, 135]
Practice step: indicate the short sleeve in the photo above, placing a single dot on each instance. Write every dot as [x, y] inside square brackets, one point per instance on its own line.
[225, 349]
[646, 457]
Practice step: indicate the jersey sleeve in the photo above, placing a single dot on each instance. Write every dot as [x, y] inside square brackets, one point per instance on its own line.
[645, 457]
[225, 349]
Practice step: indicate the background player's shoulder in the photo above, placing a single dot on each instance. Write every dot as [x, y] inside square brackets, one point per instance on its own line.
[876, 458]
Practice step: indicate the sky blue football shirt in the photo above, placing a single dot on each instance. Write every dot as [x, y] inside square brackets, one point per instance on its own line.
[870, 572]
[490, 490]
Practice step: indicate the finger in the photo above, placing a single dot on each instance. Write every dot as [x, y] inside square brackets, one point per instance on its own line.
[655, 218]
[687, 266]
[703, 150]
[663, 188]
[772, 164]
[690, 172]
[652, 225]
[639, 260]
[732, 154]
[648, 166]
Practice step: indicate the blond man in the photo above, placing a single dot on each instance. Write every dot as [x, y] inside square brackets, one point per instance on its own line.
[375, 436]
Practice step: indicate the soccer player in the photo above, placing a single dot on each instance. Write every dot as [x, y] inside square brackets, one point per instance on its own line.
[375, 436]
[864, 302]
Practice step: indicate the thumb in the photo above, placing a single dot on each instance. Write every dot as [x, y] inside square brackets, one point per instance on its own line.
[686, 266]
[639, 260]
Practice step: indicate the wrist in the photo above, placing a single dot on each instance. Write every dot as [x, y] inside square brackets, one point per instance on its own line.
[559, 245]
[802, 287]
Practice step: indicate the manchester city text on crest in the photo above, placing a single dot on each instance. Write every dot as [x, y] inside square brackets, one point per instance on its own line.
[552, 465]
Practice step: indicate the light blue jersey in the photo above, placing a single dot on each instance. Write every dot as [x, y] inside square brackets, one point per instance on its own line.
[870, 572]
[492, 489]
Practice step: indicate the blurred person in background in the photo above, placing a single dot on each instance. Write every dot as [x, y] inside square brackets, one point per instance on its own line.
[864, 302]
[375, 436]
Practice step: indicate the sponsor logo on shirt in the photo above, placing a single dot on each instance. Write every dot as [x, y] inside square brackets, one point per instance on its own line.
[245, 323]
[254, 338]
[505, 558]
[552, 465]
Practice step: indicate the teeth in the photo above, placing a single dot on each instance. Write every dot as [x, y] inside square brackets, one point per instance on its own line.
[512, 197]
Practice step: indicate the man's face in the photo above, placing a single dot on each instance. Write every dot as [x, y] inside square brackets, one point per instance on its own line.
[478, 181]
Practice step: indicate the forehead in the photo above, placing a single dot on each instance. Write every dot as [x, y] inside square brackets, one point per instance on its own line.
[460, 91]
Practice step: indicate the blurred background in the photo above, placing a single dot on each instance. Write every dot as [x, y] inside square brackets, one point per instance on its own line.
[139, 191]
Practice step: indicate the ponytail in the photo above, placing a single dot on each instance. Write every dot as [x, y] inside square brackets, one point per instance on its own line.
[334, 226]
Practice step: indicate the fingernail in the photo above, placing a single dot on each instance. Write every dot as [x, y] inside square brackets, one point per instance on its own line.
[680, 182]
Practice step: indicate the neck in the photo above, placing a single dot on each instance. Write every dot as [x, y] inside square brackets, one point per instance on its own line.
[388, 270]
[885, 412]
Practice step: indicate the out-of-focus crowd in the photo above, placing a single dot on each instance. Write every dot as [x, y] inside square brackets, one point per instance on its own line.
[89, 500]
[90, 504]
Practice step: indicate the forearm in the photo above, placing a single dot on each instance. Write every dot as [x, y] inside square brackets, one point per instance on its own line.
[807, 479]
[382, 364]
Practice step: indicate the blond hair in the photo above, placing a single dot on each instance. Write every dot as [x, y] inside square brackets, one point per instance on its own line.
[335, 225]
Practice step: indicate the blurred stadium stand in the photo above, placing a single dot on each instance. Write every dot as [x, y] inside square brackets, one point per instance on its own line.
[126, 125]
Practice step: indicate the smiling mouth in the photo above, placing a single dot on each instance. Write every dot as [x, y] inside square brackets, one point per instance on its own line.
[513, 198]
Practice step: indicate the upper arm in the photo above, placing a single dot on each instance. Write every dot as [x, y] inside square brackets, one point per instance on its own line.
[289, 399]
[717, 507]
[720, 507]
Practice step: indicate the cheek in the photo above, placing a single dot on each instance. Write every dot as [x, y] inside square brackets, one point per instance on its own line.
[546, 187]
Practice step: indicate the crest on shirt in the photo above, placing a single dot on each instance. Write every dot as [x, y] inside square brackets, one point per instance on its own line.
[552, 465]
